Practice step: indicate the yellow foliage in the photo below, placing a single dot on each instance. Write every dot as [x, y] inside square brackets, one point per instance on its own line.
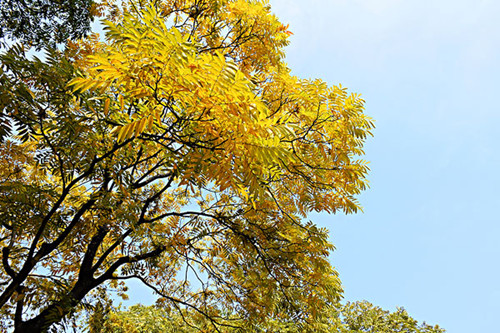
[185, 150]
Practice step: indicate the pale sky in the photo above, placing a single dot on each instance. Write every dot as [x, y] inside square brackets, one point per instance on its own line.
[429, 239]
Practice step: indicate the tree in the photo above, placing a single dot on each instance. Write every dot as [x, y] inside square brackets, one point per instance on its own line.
[140, 318]
[357, 317]
[182, 153]
[38, 22]
[152, 319]
[360, 317]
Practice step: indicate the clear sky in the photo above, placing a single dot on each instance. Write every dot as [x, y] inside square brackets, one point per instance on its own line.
[429, 239]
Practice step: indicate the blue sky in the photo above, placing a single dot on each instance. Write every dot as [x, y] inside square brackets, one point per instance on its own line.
[429, 239]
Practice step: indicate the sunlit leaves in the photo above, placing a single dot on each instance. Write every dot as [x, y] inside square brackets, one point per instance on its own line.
[365, 317]
[355, 317]
[180, 152]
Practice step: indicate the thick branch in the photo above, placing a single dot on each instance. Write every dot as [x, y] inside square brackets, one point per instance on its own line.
[5, 262]
[128, 260]
[88, 259]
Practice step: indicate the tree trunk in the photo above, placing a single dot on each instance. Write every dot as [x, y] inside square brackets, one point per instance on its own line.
[55, 312]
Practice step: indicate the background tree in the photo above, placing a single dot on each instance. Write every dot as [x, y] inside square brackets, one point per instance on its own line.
[184, 155]
[360, 317]
[41, 22]
[356, 317]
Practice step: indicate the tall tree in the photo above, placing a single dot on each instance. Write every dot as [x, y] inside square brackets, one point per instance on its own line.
[182, 153]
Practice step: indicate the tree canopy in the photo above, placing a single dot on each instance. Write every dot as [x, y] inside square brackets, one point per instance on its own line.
[180, 152]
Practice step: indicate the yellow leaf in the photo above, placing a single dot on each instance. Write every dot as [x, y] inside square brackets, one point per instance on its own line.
[150, 122]
[106, 106]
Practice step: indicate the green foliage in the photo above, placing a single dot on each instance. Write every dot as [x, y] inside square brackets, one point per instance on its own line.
[29, 88]
[357, 317]
[363, 317]
[151, 319]
[141, 319]
[42, 22]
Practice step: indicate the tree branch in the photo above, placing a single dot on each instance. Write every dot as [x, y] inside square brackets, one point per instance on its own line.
[5, 262]
[108, 275]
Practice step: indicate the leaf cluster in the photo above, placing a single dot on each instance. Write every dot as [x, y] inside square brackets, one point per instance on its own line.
[40, 22]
